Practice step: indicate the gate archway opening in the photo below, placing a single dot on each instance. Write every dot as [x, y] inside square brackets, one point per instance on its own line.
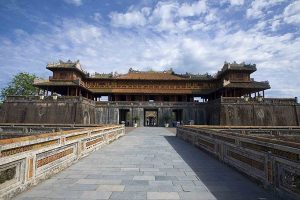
[151, 117]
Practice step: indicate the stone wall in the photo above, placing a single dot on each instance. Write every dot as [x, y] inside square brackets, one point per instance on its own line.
[268, 112]
[78, 110]
[212, 112]
[20, 130]
[273, 162]
[64, 110]
[108, 112]
[27, 160]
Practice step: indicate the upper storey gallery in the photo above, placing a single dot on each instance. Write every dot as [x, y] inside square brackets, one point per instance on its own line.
[233, 80]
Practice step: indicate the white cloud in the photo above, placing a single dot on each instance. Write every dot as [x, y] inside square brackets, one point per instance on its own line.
[260, 7]
[194, 9]
[129, 19]
[74, 2]
[291, 13]
[275, 25]
[165, 16]
[236, 2]
[164, 39]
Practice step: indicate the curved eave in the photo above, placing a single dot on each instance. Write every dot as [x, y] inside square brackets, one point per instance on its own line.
[250, 70]
[67, 69]
[55, 83]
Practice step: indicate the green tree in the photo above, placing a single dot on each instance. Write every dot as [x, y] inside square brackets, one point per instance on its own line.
[21, 84]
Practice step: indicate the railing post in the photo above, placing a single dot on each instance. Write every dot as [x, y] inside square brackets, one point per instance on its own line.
[30, 168]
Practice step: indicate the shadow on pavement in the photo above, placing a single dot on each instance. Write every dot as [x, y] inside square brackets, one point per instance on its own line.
[221, 180]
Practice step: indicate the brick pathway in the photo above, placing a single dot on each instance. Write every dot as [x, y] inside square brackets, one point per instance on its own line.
[148, 163]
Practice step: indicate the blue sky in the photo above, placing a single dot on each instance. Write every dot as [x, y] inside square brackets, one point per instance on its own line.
[188, 36]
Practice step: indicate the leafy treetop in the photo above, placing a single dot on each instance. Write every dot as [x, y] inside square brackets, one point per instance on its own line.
[21, 84]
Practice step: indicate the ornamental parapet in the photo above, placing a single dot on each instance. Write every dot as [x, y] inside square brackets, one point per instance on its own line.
[270, 155]
[52, 98]
[146, 103]
[25, 161]
[261, 100]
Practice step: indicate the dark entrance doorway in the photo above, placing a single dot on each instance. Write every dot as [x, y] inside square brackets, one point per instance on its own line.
[123, 116]
[150, 117]
[177, 116]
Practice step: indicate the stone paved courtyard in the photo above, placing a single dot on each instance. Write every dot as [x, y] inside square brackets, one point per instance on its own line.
[148, 163]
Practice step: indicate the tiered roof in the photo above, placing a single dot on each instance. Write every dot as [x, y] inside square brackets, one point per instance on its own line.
[236, 67]
[67, 65]
[153, 75]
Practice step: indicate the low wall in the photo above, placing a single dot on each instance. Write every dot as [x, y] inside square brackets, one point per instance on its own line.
[79, 110]
[8, 130]
[109, 112]
[273, 162]
[255, 112]
[25, 161]
[63, 110]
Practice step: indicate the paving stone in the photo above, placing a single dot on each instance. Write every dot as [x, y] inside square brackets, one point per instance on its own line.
[130, 169]
[33, 193]
[162, 195]
[155, 173]
[77, 176]
[111, 188]
[83, 187]
[189, 173]
[175, 173]
[169, 170]
[149, 169]
[160, 183]
[194, 188]
[135, 182]
[197, 196]
[187, 178]
[138, 188]
[153, 188]
[148, 178]
[57, 194]
[95, 195]
[129, 195]
[183, 183]
[166, 178]
[148, 162]
[99, 181]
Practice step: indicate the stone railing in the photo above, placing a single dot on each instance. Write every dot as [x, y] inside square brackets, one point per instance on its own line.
[286, 101]
[47, 98]
[266, 131]
[146, 103]
[25, 161]
[8, 130]
[273, 162]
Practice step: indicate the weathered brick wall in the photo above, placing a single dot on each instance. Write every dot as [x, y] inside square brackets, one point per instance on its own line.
[25, 161]
[275, 163]
[213, 110]
[78, 110]
[48, 111]
[264, 113]
[108, 112]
